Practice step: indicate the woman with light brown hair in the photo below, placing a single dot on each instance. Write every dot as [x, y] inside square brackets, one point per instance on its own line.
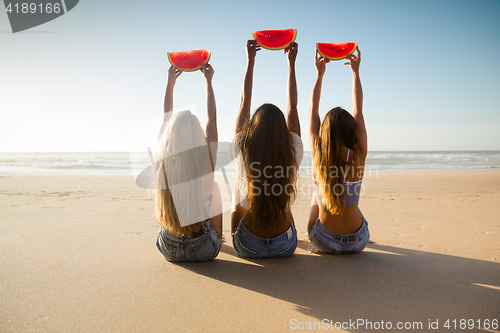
[270, 153]
[339, 147]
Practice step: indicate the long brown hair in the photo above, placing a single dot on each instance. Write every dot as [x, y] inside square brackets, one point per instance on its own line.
[270, 167]
[182, 157]
[338, 130]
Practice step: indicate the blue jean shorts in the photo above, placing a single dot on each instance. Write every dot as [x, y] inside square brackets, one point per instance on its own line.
[325, 241]
[248, 245]
[199, 247]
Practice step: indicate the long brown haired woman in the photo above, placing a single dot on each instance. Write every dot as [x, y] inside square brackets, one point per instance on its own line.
[271, 151]
[339, 149]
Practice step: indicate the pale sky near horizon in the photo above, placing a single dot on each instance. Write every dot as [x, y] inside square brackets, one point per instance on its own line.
[85, 81]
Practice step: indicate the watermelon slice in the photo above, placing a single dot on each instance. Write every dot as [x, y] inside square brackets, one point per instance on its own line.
[336, 51]
[275, 39]
[189, 61]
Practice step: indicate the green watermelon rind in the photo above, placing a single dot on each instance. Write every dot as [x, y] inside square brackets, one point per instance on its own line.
[281, 47]
[335, 58]
[189, 69]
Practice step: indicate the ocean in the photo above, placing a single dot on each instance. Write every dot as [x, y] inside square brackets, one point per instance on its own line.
[124, 163]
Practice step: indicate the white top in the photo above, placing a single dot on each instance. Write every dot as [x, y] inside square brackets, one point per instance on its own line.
[237, 161]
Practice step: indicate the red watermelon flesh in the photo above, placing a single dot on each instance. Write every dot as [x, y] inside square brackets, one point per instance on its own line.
[336, 51]
[275, 39]
[189, 61]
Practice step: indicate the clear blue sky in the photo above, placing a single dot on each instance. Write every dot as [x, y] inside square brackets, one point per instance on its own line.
[85, 81]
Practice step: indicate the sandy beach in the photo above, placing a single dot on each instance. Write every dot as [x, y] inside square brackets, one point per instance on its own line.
[77, 253]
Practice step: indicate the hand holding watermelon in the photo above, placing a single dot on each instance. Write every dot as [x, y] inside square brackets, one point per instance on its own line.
[208, 72]
[252, 48]
[173, 74]
[320, 63]
[292, 51]
[354, 61]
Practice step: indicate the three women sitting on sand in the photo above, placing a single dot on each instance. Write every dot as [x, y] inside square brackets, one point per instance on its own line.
[269, 152]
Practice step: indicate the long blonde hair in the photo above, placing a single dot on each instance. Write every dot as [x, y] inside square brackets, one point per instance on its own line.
[337, 130]
[267, 143]
[182, 165]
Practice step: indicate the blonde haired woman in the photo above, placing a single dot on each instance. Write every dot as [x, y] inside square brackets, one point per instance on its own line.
[187, 201]
[339, 149]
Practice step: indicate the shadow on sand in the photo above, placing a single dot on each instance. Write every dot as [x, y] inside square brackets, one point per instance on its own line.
[389, 283]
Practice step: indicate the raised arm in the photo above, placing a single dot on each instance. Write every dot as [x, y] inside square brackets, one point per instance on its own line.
[168, 103]
[314, 120]
[292, 116]
[211, 129]
[357, 104]
[246, 94]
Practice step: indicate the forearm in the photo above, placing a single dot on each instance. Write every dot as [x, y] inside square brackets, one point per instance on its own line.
[357, 100]
[357, 96]
[211, 114]
[168, 103]
[292, 97]
[314, 120]
[246, 97]
[315, 97]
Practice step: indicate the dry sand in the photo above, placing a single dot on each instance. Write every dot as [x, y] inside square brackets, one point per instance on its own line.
[77, 253]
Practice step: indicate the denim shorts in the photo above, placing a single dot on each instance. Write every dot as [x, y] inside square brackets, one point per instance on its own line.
[248, 245]
[199, 247]
[325, 241]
